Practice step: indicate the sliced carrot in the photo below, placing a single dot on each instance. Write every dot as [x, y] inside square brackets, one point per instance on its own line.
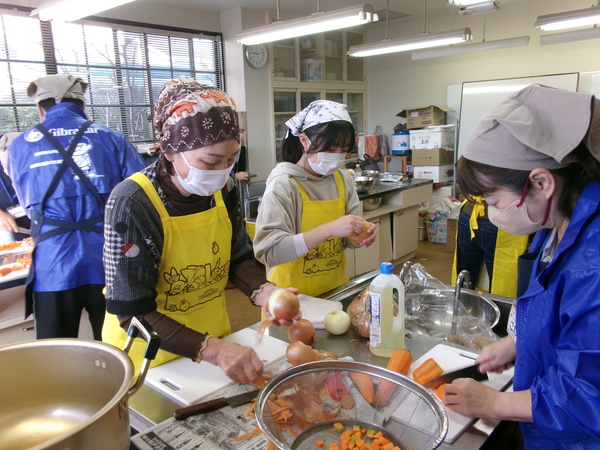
[364, 383]
[248, 435]
[440, 391]
[320, 444]
[427, 371]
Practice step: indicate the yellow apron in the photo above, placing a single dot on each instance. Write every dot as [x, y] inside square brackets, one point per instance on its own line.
[322, 268]
[193, 273]
[508, 249]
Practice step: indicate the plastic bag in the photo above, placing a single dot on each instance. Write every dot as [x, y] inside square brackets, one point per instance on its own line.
[429, 306]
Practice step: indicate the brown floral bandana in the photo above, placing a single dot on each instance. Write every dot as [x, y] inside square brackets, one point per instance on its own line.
[189, 115]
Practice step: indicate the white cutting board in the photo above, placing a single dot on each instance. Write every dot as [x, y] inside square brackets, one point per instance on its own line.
[189, 382]
[451, 358]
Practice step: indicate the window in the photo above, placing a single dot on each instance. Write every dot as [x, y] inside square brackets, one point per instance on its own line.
[125, 69]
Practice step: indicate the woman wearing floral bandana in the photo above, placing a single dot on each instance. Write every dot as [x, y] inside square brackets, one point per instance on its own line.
[310, 207]
[174, 237]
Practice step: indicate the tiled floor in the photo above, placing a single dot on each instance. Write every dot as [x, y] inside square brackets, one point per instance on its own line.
[434, 257]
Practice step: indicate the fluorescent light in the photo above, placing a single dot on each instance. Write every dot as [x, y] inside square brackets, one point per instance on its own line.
[569, 19]
[403, 45]
[479, 8]
[69, 10]
[484, 46]
[315, 23]
[570, 36]
[465, 2]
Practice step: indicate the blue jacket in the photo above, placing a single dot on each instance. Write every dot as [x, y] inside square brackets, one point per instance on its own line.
[74, 258]
[558, 342]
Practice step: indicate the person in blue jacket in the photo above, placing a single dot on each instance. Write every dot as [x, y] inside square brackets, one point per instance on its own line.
[535, 160]
[63, 171]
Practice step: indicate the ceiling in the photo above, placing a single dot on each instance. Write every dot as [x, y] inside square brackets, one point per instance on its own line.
[411, 10]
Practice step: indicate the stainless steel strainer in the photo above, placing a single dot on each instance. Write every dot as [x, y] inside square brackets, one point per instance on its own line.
[300, 406]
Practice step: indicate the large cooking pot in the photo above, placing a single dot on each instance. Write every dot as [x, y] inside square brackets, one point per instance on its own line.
[69, 393]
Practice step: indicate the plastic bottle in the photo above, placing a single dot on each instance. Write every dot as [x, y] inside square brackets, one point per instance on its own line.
[358, 171]
[387, 312]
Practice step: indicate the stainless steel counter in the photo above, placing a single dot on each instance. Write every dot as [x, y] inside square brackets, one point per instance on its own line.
[149, 406]
[382, 188]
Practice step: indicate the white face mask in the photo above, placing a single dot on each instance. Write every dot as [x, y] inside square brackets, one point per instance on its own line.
[203, 182]
[327, 163]
[514, 219]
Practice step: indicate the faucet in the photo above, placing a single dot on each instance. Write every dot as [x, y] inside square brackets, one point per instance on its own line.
[463, 277]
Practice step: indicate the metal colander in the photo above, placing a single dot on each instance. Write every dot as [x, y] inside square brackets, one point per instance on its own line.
[300, 406]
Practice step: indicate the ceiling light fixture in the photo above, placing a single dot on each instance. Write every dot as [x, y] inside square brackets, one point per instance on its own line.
[70, 10]
[315, 23]
[485, 46]
[479, 8]
[570, 36]
[465, 2]
[404, 45]
[569, 19]
[425, 40]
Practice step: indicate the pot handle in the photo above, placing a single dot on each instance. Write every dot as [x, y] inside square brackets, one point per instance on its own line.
[152, 339]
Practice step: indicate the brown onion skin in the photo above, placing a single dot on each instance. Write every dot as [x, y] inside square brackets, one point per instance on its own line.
[299, 353]
[283, 305]
[302, 330]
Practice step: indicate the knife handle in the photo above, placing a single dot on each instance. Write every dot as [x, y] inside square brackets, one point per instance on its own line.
[199, 408]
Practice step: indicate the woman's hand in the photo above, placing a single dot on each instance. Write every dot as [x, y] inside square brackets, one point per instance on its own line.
[372, 235]
[346, 226]
[8, 222]
[498, 356]
[467, 396]
[262, 298]
[240, 363]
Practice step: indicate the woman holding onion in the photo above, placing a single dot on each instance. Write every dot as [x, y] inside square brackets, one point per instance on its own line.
[310, 208]
[174, 237]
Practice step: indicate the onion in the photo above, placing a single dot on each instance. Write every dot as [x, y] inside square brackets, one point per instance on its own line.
[299, 353]
[302, 330]
[283, 305]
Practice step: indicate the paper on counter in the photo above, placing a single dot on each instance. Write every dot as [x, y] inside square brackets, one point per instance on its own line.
[315, 309]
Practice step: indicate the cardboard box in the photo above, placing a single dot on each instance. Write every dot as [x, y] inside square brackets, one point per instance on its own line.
[312, 70]
[432, 137]
[424, 116]
[432, 157]
[439, 174]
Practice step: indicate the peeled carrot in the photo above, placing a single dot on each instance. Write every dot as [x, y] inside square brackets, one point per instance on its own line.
[400, 362]
[364, 383]
[440, 391]
[427, 371]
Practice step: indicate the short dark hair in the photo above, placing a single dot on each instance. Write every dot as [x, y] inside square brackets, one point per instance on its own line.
[337, 133]
[478, 179]
[48, 103]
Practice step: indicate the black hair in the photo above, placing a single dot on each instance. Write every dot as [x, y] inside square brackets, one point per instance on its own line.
[478, 179]
[324, 136]
[48, 103]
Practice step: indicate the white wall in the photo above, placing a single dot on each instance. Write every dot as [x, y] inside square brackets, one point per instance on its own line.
[423, 82]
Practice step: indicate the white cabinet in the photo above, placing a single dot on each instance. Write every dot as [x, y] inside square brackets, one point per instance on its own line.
[405, 223]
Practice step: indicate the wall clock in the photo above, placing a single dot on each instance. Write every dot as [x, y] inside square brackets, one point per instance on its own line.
[257, 55]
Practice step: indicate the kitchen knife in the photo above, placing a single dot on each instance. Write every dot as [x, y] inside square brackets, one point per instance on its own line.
[467, 372]
[211, 405]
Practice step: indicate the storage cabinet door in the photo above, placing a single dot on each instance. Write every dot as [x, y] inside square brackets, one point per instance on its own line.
[367, 259]
[384, 238]
[404, 231]
[17, 333]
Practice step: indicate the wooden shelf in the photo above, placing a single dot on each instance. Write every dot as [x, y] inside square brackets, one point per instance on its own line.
[388, 157]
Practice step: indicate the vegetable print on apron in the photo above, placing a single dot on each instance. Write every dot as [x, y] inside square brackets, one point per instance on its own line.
[193, 273]
[322, 268]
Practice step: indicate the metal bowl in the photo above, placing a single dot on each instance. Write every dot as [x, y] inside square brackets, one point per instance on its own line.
[371, 173]
[430, 312]
[363, 184]
[370, 204]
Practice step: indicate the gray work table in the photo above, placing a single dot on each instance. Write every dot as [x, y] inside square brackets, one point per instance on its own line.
[149, 406]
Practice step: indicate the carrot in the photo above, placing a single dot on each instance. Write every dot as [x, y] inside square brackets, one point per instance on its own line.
[440, 391]
[400, 362]
[247, 435]
[427, 371]
[320, 444]
[364, 383]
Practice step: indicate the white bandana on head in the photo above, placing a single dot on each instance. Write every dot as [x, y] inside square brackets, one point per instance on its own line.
[319, 111]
